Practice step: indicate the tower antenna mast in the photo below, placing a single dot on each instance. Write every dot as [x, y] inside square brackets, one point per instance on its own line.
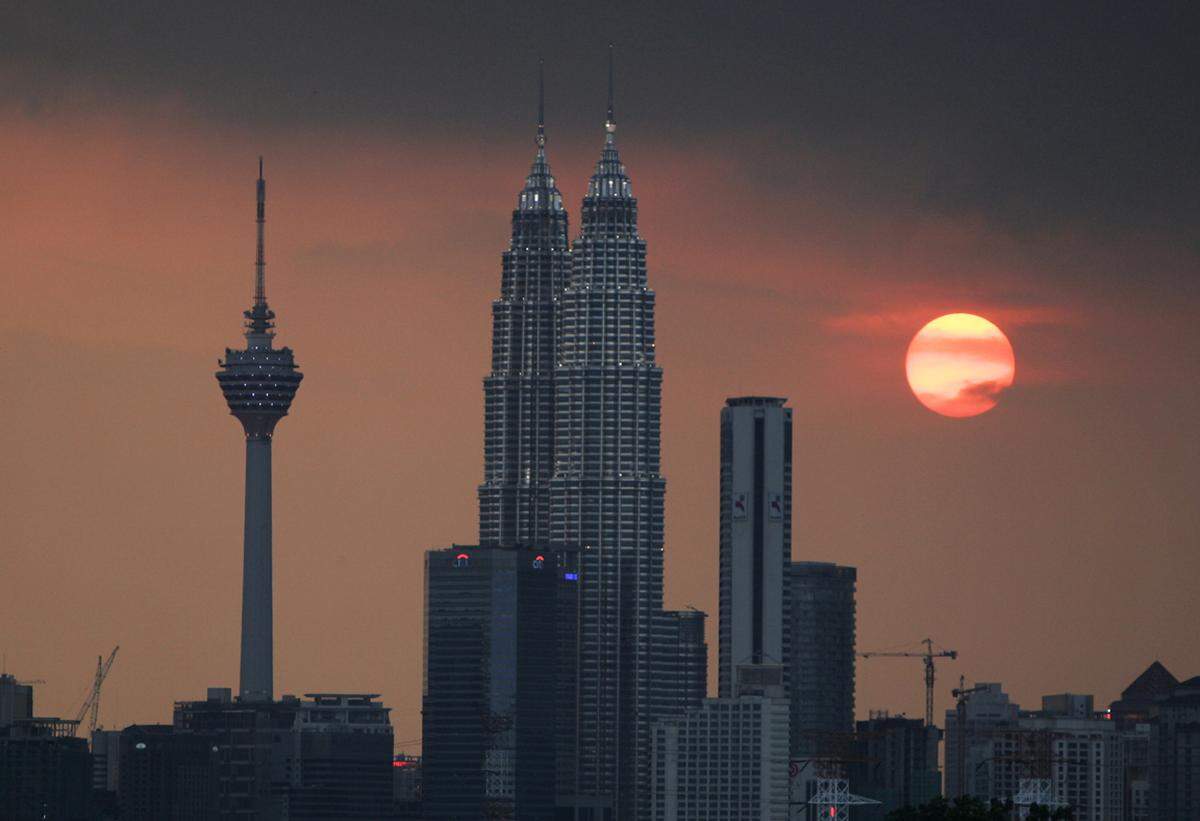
[260, 262]
[541, 132]
[611, 121]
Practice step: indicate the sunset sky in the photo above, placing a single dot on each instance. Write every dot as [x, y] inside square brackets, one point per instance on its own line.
[815, 183]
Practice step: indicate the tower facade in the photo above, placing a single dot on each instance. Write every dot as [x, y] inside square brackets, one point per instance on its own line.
[606, 496]
[756, 534]
[514, 499]
[489, 706]
[259, 383]
[822, 655]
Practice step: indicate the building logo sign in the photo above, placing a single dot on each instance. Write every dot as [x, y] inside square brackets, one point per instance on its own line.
[740, 507]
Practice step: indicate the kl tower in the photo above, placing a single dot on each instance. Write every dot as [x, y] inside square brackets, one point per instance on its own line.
[259, 384]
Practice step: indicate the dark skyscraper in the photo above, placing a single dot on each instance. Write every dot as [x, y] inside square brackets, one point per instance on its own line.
[607, 490]
[895, 761]
[681, 662]
[489, 697]
[514, 499]
[822, 654]
[756, 534]
[259, 384]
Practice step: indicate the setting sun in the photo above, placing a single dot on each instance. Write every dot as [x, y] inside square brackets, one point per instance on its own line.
[959, 364]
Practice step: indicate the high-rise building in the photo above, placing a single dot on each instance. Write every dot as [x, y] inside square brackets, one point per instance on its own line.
[341, 759]
[324, 757]
[45, 772]
[1175, 753]
[727, 759]
[406, 786]
[106, 760]
[968, 730]
[1059, 755]
[259, 384]
[253, 743]
[821, 662]
[16, 700]
[895, 763]
[514, 499]
[1134, 714]
[489, 708]
[165, 774]
[606, 496]
[681, 662]
[756, 533]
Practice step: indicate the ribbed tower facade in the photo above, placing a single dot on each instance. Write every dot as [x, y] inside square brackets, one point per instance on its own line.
[607, 491]
[259, 383]
[514, 499]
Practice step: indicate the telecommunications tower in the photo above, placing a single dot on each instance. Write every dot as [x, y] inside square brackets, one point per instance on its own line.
[259, 383]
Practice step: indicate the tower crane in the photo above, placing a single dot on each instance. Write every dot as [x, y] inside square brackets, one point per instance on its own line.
[929, 655]
[92, 702]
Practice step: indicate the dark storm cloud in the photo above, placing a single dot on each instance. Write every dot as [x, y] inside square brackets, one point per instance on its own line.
[1033, 115]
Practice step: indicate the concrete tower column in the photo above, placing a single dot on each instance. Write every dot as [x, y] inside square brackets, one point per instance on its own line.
[257, 674]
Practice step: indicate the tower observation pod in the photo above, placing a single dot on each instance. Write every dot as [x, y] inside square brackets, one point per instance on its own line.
[259, 384]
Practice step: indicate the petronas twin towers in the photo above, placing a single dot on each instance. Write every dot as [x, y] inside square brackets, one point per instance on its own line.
[572, 454]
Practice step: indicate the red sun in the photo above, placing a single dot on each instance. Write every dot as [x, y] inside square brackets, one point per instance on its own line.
[959, 364]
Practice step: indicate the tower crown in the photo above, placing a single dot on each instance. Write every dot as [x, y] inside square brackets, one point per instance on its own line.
[259, 382]
[540, 192]
[610, 180]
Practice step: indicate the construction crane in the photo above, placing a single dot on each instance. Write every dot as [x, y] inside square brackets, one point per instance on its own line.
[92, 702]
[929, 655]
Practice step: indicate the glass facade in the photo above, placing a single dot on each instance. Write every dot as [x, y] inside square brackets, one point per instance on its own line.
[822, 615]
[606, 497]
[491, 690]
[514, 504]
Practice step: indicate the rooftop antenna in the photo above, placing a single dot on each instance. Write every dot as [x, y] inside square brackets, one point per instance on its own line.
[260, 288]
[610, 124]
[541, 132]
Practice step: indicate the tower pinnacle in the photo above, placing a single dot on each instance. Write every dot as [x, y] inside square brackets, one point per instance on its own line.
[539, 192]
[260, 288]
[610, 123]
[541, 131]
[259, 319]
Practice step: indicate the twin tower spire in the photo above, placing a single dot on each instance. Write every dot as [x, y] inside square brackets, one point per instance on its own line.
[610, 120]
[540, 193]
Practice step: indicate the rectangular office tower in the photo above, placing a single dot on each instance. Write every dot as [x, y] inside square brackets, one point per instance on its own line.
[491, 699]
[756, 533]
[821, 656]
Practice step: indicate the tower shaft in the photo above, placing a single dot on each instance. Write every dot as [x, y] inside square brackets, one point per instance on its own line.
[257, 673]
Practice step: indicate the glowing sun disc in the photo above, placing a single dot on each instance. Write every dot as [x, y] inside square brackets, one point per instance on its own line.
[959, 364]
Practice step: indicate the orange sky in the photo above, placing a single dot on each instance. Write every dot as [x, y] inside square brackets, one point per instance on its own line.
[1051, 541]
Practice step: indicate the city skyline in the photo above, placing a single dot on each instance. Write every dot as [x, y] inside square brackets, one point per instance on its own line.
[399, 351]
